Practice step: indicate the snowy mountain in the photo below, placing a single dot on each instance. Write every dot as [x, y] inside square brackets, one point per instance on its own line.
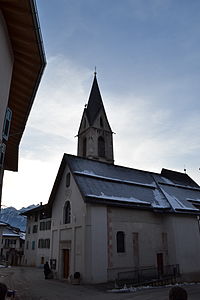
[12, 216]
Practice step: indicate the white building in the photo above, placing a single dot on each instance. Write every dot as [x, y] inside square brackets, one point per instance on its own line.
[109, 221]
[22, 62]
[12, 246]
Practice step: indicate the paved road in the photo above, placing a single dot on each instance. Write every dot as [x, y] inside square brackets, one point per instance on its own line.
[31, 285]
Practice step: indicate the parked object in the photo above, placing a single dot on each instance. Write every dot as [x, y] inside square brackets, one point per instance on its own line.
[76, 278]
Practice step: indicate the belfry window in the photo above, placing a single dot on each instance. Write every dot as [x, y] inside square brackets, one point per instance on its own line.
[84, 147]
[67, 213]
[101, 147]
[101, 122]
[120, 242]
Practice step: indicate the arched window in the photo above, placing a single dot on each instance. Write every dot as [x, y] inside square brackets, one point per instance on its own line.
[120, 242]
[84, 147]
[101, 147]
[68, 180]
[101, 122]
[67, 213]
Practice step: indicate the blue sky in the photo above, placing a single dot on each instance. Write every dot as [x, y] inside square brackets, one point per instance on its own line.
[147, 54]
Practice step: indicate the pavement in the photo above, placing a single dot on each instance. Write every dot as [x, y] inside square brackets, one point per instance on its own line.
[30, 284]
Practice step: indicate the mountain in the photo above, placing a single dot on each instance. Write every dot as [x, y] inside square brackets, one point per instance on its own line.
[12, 216]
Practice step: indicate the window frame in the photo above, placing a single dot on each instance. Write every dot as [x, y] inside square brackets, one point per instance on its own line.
[67, 213]
[7, 123]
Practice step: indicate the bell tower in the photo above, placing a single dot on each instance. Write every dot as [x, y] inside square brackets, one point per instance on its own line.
[95, 139]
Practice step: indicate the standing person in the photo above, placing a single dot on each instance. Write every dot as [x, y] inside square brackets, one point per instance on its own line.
[47, 270]
[177, 293]
[3, 291]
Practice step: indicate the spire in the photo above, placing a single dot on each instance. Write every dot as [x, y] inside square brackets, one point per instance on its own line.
[95, 101]
[95, 135]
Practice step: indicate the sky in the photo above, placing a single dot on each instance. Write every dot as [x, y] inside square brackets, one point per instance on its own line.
[147, 56]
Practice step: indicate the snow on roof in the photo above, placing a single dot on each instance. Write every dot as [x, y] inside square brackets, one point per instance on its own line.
[160, 200]
[11, 234]
[123, 199]
[22, 235]
[176, 203]
[3, 224]
[92, 174]
[108, 182]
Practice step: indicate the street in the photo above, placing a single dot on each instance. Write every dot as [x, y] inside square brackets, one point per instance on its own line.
[30, 284]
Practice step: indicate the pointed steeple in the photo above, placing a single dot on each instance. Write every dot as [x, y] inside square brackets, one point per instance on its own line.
[95, 135]
[95, 102]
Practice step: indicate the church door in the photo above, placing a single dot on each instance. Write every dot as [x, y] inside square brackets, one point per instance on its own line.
[66, 263]
[160, 264]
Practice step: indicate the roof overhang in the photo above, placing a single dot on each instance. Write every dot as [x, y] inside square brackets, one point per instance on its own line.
[29, 62]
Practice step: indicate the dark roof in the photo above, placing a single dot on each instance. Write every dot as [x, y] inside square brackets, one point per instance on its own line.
[115, 185]
[94, 103]
[41, 208]
[179, 178]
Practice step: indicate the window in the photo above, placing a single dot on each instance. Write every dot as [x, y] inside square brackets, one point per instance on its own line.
[101, 122]
[27, 244]
[68, 180]
[84, 147]
[29, 230]
[44, 243]
[48, 225]
[67, 213]
[33, 245]
[42, 225]
[7, 122]
[47, 243]
[35, 228]
[42, 260]
[36, 218]
[120, 242]
[2, 154]
[101, 147]
[7, 243]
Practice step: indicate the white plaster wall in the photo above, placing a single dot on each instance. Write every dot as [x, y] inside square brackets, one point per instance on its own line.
[6, 63]
[187, 241]
[149, 228]
[30, 255]
[68, 234]
[33, 257]
[96, 244]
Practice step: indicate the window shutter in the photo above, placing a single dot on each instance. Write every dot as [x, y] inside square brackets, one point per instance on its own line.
[7, 122]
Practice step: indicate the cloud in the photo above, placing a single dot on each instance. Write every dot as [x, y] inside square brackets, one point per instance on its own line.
[31, 185]
[149, 135]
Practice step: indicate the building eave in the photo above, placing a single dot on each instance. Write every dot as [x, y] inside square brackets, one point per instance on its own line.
[29, 63]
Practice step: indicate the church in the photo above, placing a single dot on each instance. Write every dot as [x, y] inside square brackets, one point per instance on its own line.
[104, 221]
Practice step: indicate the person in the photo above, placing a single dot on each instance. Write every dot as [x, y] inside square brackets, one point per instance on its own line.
[177, 293]
[3, 291]
[47, 270]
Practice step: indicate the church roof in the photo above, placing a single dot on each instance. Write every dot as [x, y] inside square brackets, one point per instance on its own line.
[114, 185]
[95, 102]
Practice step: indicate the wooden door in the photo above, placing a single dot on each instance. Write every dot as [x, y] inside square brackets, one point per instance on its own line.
[65, 263]
[160, 263]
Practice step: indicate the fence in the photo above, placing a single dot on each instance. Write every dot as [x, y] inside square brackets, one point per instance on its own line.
[168, 274]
